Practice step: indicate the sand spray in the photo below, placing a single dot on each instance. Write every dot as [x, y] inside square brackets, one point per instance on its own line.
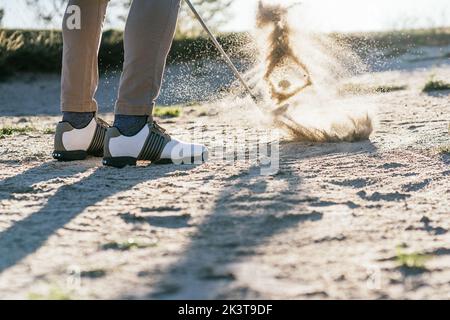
[299, 73]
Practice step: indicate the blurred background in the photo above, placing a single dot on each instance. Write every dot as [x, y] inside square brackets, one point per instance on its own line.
[386, 34]
[239, 15]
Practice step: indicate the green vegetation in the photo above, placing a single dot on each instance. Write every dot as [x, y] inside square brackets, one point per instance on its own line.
[436, 85]
[9, 131]
[49, 131]
[411, 261]
[444, 149]
[54, 293]
[167, 112]
[41, 50]
[29, 51]
[93, 274]
[130, 244]
[9, 46]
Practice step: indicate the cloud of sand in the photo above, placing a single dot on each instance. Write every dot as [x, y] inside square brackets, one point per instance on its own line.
[299, 77]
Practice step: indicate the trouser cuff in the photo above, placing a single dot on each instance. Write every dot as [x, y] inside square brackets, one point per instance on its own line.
[127, 110]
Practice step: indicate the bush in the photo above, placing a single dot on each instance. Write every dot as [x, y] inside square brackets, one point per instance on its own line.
[9, 44]
[41, 51]
[436, 85]
[30, 51]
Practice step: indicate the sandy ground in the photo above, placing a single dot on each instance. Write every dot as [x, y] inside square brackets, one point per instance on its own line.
[328, 225]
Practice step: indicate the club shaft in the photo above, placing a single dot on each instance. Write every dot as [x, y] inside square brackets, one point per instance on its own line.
[221, 50]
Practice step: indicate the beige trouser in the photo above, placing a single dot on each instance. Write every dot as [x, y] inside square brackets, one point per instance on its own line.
[148, 36]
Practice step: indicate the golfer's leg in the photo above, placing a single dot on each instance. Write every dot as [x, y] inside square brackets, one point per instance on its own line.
[148, 37]
[80, 134]
[82, 27]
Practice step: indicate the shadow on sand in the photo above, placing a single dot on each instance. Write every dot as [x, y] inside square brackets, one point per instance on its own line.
[26, 236]
[245, 217]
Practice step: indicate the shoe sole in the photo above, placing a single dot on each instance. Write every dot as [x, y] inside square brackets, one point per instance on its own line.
[119, 162]
[122, 162]
[69, 155]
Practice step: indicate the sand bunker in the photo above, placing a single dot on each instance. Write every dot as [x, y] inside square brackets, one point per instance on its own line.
[299, 74]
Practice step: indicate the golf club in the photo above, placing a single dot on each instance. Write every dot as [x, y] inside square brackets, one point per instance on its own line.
[222, 51]
[278, 114]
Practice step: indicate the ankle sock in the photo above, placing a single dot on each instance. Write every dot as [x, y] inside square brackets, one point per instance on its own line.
[129, 125]
[78, 120]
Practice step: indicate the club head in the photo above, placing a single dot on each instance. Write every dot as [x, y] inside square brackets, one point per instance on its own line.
[281, 110]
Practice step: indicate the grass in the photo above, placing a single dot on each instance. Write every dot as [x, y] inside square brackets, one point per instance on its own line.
[414, 261]
[54, 293]
[130, 244]
[93, 274]
[444, 149]
[49, 131]
[436, 85]
[9, 131]
[167, 112]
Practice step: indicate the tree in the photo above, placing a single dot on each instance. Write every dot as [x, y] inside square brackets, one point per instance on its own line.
[47, 11]
[215, 12]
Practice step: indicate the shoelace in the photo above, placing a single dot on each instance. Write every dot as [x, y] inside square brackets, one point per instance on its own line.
[158, 127]
[102, 123]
